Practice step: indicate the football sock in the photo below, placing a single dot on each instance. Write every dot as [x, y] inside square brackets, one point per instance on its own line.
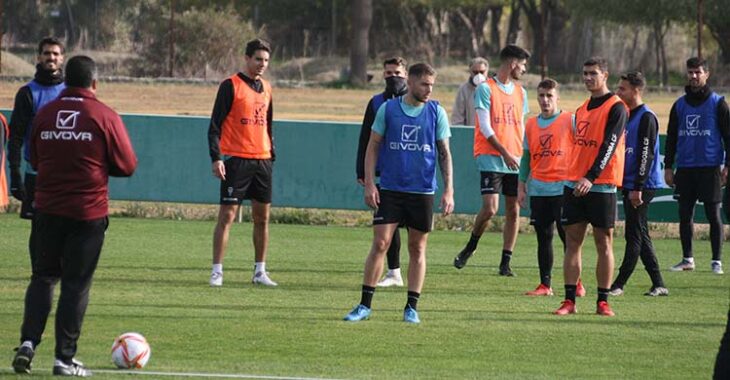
[217, 268]
[602, 294]
[689, 259]
[259, 268]
[506, 257]
[367, 295]
[570, 292]
[473, 242]
[413, 299]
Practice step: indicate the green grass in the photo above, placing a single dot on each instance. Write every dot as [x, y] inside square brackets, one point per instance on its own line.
[152, 278]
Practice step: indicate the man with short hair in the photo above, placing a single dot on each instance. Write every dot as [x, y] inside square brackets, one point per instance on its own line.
[77, 143]
[415, 133]
[594, 172]
[464, 112]
[45, 86]
[698, 142]
[501, 106]
[242, 150]
[394, 74]
[547, 149]
[642, 178]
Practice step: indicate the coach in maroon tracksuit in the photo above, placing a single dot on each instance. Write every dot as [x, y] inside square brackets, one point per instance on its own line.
[77, 143]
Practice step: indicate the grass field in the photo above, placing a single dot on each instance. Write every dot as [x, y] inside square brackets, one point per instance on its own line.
[153, 274]
[292, 103]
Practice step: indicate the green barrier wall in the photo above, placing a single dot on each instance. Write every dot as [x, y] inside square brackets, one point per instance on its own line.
[315, 166]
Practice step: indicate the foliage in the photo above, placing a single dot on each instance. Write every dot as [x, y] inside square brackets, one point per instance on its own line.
[199, 48]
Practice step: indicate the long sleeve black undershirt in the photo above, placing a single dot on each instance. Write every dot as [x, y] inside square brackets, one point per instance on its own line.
[367, 125]
[19, 121]
[615, 125]
[647, 136]
[221, 108]
[695, 99]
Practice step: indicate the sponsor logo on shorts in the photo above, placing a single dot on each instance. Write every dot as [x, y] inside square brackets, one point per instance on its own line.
[230, 199]
[230, 191]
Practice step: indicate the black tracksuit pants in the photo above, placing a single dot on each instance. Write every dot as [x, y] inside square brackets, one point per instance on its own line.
[638, 242]
[67, 250]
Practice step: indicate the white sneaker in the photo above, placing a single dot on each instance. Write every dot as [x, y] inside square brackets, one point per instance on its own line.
[684, 265]
[263, 279]
[390, 280]
[216, 279]
[716, 267]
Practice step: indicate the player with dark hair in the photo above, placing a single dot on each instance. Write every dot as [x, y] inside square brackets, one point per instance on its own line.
[45, 86]
[501, 106]
[394, 74]
[415, 133]
[76, 144]
[594, 172]
[547, 149]
[242, 150]
[642, 177]
[697, 146]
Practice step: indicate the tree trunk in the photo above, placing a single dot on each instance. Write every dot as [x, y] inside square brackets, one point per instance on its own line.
[361, 16]
[496, 39]
[514, 22]
[473, 36]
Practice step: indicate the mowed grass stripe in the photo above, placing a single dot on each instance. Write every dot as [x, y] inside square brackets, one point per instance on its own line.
[152, 278]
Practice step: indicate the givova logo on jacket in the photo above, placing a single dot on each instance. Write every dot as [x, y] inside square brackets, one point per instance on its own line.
[581, 130]
[692, 127]
[66, 121]
[409, 140]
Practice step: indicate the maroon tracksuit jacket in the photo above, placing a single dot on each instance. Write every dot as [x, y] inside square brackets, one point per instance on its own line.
[77, 143]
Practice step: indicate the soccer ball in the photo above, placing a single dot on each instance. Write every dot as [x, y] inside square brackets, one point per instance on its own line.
[130, 350]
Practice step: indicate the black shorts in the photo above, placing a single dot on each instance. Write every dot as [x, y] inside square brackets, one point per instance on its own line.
[26, 207]
[598, 209]
[703, 184]
[495, 183]
[545, 210]
[405, 209]
[246, 179]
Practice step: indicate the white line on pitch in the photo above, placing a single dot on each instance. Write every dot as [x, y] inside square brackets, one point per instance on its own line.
[185, 374]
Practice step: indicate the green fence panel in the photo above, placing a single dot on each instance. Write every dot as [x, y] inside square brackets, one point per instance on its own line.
[314, 168]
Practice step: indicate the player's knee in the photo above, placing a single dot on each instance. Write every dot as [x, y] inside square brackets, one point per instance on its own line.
[380, 246]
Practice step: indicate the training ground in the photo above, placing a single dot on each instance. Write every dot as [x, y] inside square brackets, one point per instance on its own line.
[153, 278]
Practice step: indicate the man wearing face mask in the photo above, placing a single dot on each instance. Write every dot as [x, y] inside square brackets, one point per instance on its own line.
[501, 106]
[463, 112]
[394, 74]
[45, 87]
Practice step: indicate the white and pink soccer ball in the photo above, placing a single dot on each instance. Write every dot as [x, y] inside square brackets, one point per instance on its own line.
[130, 350]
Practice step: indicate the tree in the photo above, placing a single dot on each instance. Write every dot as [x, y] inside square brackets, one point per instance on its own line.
[361, 16]
[717, 16]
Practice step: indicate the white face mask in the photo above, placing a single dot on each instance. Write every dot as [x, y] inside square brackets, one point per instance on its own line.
[478, 79]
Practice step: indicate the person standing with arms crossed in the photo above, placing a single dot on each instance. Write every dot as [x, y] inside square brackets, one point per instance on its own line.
[642, 177]
[45, 86]
[698, 142]
[547, 149]
[242, 150]
[77, 143]
[594, 172]
[394, 74]
[501, 106]
[415, 132]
